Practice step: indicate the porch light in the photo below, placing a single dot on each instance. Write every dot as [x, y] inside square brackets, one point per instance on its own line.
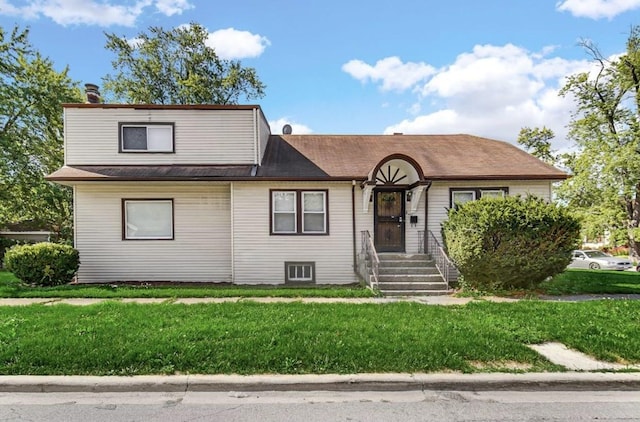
[409, 195]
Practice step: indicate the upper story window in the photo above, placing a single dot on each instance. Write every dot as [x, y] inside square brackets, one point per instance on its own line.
[146, 137]
[299, 212]
[459, 196]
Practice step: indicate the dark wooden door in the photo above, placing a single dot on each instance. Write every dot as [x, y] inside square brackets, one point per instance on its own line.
[389, 221]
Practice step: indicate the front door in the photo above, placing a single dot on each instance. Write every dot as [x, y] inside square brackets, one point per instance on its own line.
[389, 221]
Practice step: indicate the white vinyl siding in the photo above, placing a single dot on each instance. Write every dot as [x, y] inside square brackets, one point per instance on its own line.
[200, 136]
[200, 250]
[260, 256]
[439, 199]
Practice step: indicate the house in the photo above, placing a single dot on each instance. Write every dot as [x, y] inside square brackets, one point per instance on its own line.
[206, 193]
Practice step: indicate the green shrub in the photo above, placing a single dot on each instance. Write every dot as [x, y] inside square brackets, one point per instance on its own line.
[6, 243]
[43, 264]
[510, 243]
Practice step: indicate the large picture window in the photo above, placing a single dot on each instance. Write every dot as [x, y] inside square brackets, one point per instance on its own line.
[140, 137]
[147, 219]
[459, 196]
[299, 212]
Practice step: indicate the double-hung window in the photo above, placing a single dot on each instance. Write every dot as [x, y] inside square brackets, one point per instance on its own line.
[462, 196]
[147, 219]
[299, 212]
[146, 137]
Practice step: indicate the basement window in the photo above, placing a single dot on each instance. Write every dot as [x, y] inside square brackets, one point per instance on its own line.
[299, 272]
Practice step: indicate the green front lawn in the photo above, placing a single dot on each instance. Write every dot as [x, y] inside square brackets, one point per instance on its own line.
[11, 287]
[593, 282]
[113, 338]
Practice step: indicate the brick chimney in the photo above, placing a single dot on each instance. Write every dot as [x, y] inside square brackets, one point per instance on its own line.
[93, 94]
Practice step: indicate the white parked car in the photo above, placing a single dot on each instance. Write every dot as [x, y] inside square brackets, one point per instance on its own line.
[598, 260]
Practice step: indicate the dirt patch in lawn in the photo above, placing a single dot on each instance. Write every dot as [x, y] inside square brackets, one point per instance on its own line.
[509, 365]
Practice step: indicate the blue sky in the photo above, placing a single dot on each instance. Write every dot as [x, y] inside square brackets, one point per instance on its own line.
[484, 67]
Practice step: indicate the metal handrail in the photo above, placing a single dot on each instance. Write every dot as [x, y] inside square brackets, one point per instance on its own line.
[445, 266]
[370, 255]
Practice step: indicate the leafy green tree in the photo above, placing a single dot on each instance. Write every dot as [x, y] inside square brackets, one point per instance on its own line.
[537, 141]
[606, 129]
[176, 67]
[31, 138]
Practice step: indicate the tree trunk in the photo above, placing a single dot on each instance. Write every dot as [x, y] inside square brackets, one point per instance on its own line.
[633, 221]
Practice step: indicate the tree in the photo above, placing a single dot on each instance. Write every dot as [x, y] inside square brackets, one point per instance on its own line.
[511, 242]
[537, 142]
[31, 138]
[606, 129]
[176, 67]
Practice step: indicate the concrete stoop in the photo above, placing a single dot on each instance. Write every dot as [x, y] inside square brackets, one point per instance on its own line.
[409, 275]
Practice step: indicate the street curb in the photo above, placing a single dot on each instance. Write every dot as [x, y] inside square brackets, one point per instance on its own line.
[565, 381]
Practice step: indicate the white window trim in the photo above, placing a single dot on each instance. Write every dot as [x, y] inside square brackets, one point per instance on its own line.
[323, 212]
[456, 192]
[126, 224]
[274, 212]
[147, 126]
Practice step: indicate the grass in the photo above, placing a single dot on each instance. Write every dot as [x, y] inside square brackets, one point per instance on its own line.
[11, 287]
[575, 281]
[114, 338]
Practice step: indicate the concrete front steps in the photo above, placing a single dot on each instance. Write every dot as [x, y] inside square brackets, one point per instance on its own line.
[409, 275]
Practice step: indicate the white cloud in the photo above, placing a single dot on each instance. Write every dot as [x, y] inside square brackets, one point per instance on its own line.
[135, 42]
[597, 9]
[173, 7]
[91, 12]
[494, 91]
[231, 43]
[391, 71]
[298, 129]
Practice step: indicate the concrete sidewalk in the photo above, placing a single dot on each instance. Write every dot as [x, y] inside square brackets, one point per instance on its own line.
[427, 300]
[567, 381]
[444, 300]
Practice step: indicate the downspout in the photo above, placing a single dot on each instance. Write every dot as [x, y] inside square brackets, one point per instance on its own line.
[353, 224]
[233, 248]
[426, 217]
[75, 221]
[75, 216]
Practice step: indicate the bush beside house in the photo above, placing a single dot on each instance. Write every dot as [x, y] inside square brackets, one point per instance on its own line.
[510, 243]
[43, 264]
